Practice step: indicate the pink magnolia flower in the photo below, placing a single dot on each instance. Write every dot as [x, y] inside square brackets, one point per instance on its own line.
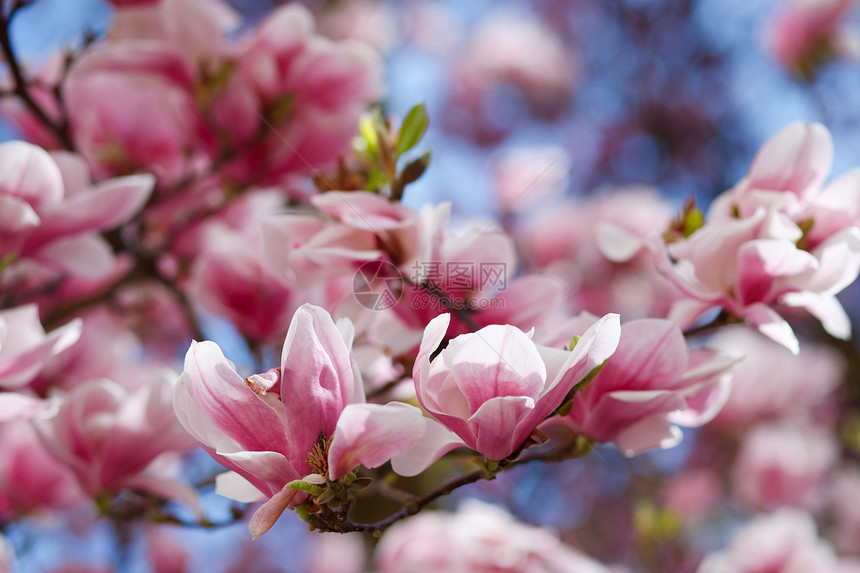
[166, 553]
[158, 83]
[49, 209]
[495, 386]
[196, 28]
[784, 464]
[524, 175]
[105, 349]
[782, 542]
[774, 238]
[108, 433]
[31, 479]
[510, 49]
[478, 538]
[304, 249]
[597, 247]
[230, 278]
[651, 384]
[337, 554]
[25, 349]
[802, 33]
[769, 384]
[368, 21]
[470, 269]
[257, 429]
[310, 89]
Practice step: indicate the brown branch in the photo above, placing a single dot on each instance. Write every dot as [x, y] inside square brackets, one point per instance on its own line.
[411, 508]
[579, 446]
[60, 130]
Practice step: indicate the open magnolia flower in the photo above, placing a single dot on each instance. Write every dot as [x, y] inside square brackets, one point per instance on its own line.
[305, 420]
[51, 212]
[495, 386]
[651, 385]
[778, 237]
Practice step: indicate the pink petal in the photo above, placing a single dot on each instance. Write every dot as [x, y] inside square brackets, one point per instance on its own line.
[615, 412]
[30, 174]
[653, 432]
[16, 406]
[839, 263]
[825, 308]
[651, 355]
[496, 361]
[265, 517]
[617, 243]
[595, 346]
[76, 172]
[684, 312]
[436, 441]
[371, 434]
[88, 256]
[526, 302]
[214, 403]
[18, 368]
[704, 402]
[16, 216]
[796, 159]
[772, 325]
[762, 262]
[317, 379]
[107, 205]
[498, 426]
[270, 467]
[434, 333]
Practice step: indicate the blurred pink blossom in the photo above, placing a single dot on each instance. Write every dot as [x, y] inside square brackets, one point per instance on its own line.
[51, 210]
[165, 135]
[801, 34]
[782, 542]
[784, 464]
[478, 538]
[764, 243]
[25, 349]
[108, 433]
[768, 384]
[31, 480]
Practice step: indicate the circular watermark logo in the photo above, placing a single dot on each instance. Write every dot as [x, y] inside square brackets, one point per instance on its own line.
[377, 285]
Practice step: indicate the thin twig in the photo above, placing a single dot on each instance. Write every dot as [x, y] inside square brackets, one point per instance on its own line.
[60, 130]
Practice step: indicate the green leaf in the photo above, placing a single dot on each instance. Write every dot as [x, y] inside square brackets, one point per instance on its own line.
[413, 129]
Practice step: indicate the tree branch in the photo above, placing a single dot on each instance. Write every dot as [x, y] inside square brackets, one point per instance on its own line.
[60, 130]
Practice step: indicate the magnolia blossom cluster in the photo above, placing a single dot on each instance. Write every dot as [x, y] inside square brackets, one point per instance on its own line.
[779, 238]
[342, 347]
